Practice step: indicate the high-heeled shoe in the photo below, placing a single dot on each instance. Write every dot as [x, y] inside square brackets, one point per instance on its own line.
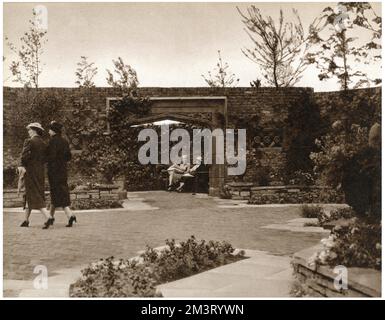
[48, 223]
[71, 221]
[25, 224]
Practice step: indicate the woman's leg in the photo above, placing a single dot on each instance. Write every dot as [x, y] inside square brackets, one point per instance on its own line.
[171, 178]
[68, 212]
[45, 212]
[27, 213]
[71, 216]
[181, 184]
[52, 210]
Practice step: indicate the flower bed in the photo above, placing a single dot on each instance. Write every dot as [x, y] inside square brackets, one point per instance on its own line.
[315, 280]
[353, 245]
[139, 277]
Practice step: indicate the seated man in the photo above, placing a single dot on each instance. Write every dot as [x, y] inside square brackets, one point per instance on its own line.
[176, 171]
[189, 174]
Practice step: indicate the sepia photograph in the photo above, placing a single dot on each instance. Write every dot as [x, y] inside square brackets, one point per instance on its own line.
[192, 150]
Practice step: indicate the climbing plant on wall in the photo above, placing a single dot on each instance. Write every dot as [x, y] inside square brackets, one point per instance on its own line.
[107, 153]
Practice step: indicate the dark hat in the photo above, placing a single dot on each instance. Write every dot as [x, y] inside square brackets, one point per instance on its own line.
[56, 126]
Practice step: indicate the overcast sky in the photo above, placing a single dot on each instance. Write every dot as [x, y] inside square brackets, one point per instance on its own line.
[169, 44]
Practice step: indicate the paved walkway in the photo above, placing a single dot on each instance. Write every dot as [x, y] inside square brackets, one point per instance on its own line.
[261, 275]
[147, 219]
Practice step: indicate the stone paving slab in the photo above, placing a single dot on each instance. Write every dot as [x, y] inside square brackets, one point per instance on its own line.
[298, 225]
[231, 203]
[57, 285]
[260, 275]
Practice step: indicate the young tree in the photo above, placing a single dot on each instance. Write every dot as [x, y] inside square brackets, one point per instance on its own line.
[277, 50]
[127, 79]
[341, 55]
[222, 77]
[85, 72]
[27, 68]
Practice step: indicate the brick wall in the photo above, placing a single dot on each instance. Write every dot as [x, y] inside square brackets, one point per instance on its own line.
[269, 104]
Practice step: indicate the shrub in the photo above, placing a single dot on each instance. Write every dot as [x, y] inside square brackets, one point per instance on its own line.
[311, 211]
[128, 278]
[188, 258]
[341, 213]
[10, 164]
[225, 193]
[302, 178]
[355, 245]
[114, 278]
[86, 204]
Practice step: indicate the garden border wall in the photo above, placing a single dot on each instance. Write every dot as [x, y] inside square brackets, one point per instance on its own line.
[318, 280]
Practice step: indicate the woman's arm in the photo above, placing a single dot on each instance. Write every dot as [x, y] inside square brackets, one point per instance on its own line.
[26, 153]
[51, 151]
[67, 152]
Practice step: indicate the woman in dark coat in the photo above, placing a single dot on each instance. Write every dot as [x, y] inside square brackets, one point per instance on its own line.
[32, 166]
[58, 154]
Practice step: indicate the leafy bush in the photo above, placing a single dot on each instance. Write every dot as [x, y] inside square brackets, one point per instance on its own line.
[128, 278]
[361, 182]
[302, 178]
[310, 196]
[114, 278]
[355, 245]
[348, 164]
[188, 258]
[10, 177]
[10, 164]
[32, 105]
[311, 211]
[86, 204]
[341, 213]
[225, 193]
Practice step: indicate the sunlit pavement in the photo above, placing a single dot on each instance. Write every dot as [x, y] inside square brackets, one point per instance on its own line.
[153, 217]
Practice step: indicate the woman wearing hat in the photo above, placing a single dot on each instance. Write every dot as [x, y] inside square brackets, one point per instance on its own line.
[58, 154]
[32, 164]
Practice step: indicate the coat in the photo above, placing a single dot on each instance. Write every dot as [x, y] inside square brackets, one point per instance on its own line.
[58, 154]
[33, 159]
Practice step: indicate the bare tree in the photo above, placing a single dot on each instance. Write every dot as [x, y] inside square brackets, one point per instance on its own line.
[126, 78]
[277, 50]
[85, 72]
[221, 77]
[27, 68]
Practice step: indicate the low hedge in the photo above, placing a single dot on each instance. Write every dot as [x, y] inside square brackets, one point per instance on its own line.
[87, 204]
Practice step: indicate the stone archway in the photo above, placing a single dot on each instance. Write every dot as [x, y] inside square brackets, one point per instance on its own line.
[210, 112]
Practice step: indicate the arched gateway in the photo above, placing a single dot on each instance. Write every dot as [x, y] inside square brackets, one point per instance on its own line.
[209, 112]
